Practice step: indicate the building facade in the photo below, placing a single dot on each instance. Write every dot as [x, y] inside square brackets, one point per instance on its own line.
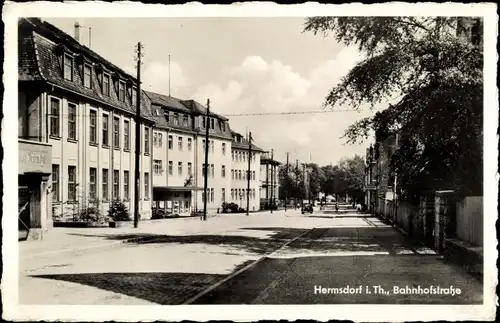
[83, 107]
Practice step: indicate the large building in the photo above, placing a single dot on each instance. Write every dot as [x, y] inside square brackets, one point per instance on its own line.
[83, 106]
[77, 139]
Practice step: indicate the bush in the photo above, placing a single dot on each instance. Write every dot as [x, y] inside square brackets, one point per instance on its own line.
[89, 213]
[158, 214]
[119, 212]
[230, 207]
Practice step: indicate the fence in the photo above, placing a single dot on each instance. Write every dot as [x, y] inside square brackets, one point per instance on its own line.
[469, 220]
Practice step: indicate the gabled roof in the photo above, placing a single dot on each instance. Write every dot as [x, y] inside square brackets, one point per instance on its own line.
[38, 61]
[167, 101]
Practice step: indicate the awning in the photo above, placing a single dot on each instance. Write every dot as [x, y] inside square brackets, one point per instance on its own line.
[176, 188]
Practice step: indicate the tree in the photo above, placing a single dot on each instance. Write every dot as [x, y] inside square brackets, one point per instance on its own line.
[316, 177]
[437, 75]
[291, 183]
[354, 170]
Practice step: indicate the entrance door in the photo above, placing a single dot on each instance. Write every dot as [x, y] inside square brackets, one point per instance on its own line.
[23, 212]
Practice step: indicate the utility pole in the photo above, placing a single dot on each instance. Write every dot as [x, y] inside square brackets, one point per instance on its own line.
[249, 171]
[137, 175]
[205, 169]
[272, 177]
[304, 180]
[286, 174]
[297, 180]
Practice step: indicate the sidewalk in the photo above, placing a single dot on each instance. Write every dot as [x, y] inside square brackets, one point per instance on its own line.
[60, 240]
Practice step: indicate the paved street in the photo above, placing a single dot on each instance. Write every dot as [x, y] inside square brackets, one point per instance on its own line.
[279, 258]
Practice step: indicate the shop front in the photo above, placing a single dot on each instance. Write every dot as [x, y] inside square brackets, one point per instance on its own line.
[35, 168]
[173, 201]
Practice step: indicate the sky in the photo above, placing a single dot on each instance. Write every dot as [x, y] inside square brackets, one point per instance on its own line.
[243, 65]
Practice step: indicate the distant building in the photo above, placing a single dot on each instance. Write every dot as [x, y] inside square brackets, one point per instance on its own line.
[269, 180]
[239, 170]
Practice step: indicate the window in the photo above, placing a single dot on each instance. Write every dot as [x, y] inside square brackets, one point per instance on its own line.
[253, 175]
[203, 122]
[203, 144]
[170, 142]
[232, 173]
[180, 143]
[203, 170]
[54, 117]
[224, 148]
[212, 145]
[105, 84]
[190, 169]
[158, 139]
[212, 170]
[93, 127]
[134, 95]
[232, 194]
[72, 121]
[116, 184]
[232, 155]
[176, 119]
[121, 91]
[68, 67]
[146, 140]
[211, 195]
[212, 123]
[92, 183]
[223, 126]
[179, 168]
[116, 132]
[190, 142]
[157, 167]
[185, 121]
[170, 168]
[223, 172]
[146, 185]
[167, 116]
[244, 156]
[105, 178]
[105, 133]
[223, 195]
[87, 76]
[126, 134]
[55, 183]
[126, 181]
[71, 183]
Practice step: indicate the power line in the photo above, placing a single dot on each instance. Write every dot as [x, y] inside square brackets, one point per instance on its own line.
[286, 113]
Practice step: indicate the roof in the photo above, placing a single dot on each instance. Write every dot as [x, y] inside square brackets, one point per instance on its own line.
[244, 143]
[167, 101]
[39, 61]
[198, 108]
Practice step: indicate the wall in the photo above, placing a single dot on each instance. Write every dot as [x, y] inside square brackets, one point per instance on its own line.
[83, 155]
[469, 215]
[237, 184]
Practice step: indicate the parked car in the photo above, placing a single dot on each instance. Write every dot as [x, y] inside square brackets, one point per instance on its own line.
[307, 208]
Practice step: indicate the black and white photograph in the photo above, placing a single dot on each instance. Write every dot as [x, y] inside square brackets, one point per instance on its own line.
[342, 157]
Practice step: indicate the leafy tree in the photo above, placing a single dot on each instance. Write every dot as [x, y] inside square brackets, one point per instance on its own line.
[118, 211]
[436, 73]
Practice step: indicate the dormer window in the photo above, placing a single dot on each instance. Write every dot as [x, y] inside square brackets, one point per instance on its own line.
[134, 95]
[105, 84]
[203, 122]
[176, 119]
[167, 116]
[223, 126]
[185, 121]
[212, 124]
[87, 76]
[121, 91]
[68, 67]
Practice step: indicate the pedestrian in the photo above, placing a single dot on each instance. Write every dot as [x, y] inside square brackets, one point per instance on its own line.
[337, 207]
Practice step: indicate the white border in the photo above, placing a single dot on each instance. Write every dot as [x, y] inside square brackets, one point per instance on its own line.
[257, 312]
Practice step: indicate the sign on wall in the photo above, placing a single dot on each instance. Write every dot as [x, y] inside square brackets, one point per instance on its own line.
[34, 157]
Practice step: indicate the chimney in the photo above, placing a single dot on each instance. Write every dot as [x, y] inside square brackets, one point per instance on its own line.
[77, 31]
